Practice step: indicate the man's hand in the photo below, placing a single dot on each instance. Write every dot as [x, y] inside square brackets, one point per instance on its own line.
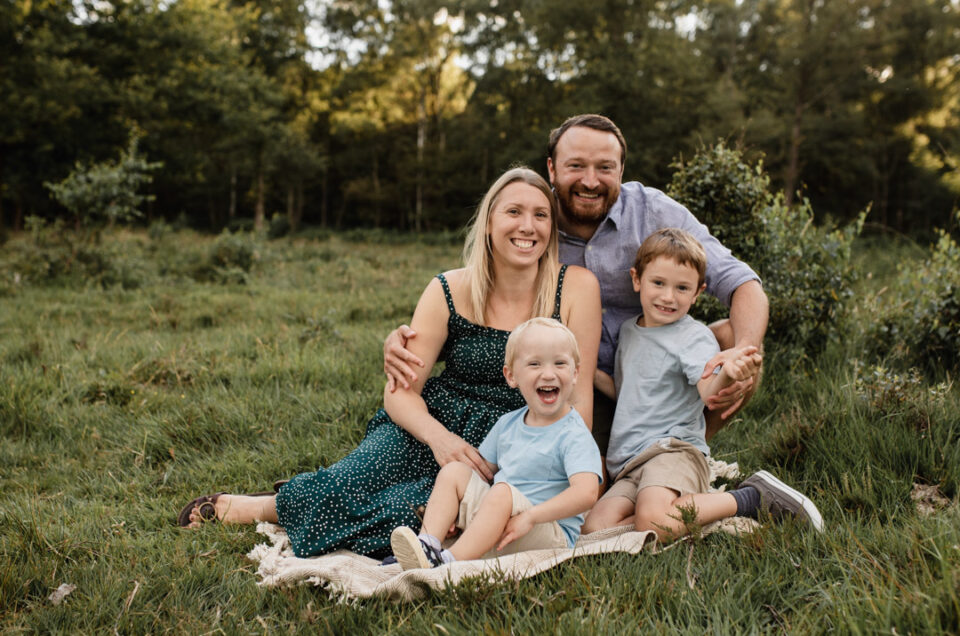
[453, 448]
[731, 398]
[517, 527]
[397, 360]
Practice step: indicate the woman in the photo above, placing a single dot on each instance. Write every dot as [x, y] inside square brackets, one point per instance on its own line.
[465, 315]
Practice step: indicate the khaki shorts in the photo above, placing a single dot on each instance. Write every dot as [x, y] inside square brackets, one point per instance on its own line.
[542, 535]
[669, 463]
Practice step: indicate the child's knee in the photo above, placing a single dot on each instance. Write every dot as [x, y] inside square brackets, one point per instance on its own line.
[455, 472]
[500, 495]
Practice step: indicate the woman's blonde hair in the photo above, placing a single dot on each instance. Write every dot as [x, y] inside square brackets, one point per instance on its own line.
[478, 254]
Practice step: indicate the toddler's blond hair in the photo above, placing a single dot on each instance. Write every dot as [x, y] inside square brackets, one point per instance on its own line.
[514, 341]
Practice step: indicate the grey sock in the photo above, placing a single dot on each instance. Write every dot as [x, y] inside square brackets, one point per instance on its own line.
[748, 501]
[430, 540]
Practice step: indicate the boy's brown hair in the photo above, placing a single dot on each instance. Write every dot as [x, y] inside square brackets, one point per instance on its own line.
[677, 245]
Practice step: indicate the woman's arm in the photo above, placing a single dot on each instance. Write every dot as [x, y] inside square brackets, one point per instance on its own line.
[580, 310]
[406, 407]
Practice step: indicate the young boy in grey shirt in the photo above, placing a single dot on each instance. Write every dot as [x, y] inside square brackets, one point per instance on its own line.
[656, 456]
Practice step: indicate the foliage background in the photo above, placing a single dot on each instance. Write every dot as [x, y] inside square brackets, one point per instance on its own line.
[398, 113]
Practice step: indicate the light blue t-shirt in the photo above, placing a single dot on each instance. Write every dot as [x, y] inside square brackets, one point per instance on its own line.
[656, 373]
[539, 460]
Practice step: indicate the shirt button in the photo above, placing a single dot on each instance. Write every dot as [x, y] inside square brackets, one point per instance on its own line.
[603, 311]
[589, 248]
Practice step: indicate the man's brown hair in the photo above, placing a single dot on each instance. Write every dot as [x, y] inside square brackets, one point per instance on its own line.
[589, 120]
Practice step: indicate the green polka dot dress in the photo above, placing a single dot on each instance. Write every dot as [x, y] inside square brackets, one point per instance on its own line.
[356, 503]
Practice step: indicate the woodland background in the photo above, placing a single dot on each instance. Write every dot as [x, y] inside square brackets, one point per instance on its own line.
[398, 113]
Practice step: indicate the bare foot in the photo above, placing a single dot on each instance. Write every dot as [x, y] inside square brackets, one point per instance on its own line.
[239, 509]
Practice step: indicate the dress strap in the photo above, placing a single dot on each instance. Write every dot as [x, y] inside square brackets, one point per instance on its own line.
[556, 304]
[449, 297]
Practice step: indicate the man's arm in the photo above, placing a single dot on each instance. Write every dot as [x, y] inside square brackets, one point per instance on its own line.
[398, 361]
[749, 315]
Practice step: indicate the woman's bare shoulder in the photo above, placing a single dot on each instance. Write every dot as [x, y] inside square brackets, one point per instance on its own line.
[579, 276]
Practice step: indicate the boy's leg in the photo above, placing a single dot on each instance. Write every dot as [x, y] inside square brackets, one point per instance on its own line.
[611, 511]
[662, 510]
[444, 502]
[486, 528]
[424, 550]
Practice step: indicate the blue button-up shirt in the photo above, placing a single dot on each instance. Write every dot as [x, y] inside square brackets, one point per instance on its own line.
[611, 251]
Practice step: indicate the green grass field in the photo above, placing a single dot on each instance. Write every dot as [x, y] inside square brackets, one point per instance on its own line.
[121, 401]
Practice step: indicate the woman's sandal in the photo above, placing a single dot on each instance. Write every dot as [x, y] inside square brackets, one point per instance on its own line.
[207, 507]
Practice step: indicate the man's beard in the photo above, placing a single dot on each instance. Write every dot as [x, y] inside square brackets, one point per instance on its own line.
[568, 206]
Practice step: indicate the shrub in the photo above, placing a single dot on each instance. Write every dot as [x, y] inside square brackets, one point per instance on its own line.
[805, 269]
[279, 226]
[919, 324]
[228, 260]
[103, 193]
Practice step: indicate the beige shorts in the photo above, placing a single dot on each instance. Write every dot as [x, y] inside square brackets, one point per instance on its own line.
[669, 463]
[543, 535]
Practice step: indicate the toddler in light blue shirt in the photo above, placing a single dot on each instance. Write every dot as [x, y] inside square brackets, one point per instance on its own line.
[546, 465]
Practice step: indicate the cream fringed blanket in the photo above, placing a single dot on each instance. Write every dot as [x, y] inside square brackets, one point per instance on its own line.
[350, 576]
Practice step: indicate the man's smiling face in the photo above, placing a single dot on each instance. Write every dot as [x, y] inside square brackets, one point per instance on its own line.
[585, 172]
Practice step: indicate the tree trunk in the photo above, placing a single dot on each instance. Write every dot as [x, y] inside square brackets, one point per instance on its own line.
[298, 208]
[232, 207]
[259, 211]
[421, 142]
[290, 206]
[376, 189]
[324, 200]
[792, 173]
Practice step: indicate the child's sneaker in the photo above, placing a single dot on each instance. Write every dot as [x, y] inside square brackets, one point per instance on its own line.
[780, 500]
[411, 552]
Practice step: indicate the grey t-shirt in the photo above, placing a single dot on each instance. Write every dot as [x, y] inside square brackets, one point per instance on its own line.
[656, 373]
[610, 253]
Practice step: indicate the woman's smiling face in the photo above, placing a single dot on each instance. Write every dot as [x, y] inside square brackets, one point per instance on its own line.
[520, 225]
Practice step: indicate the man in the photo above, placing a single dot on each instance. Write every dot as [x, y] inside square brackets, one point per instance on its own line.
[602, 224]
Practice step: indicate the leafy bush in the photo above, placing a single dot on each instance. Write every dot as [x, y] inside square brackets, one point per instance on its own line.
[805, 269]
[103, 193]
[52, 257]
[920, 322]
[279, 226]
[228, 260]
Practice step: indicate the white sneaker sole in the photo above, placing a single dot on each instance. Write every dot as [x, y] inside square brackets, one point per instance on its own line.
[803, 501]
[406, 547]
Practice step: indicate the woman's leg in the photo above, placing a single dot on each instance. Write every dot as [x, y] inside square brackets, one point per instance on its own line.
[240, 509]
[357, 502]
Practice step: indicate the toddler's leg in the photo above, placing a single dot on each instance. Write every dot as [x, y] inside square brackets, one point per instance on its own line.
[444, 502]
[424, 550]
[487, 526]
[609, 513]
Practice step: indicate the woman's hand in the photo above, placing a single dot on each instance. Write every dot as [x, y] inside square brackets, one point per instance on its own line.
[450, 447]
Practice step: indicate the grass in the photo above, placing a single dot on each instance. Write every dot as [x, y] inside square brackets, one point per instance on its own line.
[124, 397]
